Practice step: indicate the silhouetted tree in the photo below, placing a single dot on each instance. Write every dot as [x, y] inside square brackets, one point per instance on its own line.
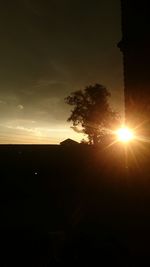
[92, 112]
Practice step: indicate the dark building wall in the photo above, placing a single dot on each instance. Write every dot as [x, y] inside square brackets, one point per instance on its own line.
[135, 46]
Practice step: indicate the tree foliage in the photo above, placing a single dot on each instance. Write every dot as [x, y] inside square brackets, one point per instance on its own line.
[92, 112]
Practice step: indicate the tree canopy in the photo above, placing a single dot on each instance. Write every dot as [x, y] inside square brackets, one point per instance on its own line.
[92, 112]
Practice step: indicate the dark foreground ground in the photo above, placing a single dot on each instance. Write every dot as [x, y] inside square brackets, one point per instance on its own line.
[74, 205]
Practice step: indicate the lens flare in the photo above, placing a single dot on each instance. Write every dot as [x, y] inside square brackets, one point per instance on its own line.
[125, 135]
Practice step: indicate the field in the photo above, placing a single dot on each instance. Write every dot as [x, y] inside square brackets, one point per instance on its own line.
[74, 205]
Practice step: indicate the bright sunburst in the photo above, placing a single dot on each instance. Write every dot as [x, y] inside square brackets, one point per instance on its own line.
[124, 135]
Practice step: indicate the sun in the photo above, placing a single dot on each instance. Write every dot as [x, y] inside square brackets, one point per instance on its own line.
[124, 135]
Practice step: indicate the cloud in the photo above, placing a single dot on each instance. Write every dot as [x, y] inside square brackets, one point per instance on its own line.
[76, 129]
[20, 107]
[3, 102]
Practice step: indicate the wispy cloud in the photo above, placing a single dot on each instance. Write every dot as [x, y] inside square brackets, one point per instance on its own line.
[76, 129]
[45, 82]
[3, 102]
[20, 107]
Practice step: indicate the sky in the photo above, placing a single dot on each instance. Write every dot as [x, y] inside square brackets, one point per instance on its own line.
[48, 49]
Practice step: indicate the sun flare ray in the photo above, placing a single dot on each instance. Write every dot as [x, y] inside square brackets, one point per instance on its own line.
[125, 135]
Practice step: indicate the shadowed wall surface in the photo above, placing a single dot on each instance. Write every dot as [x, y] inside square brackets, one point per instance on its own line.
[135, 47]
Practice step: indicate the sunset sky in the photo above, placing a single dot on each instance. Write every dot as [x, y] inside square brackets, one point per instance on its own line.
[48, 49]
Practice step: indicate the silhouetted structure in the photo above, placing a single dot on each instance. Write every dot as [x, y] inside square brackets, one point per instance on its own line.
[69, 142]
[135, 46]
